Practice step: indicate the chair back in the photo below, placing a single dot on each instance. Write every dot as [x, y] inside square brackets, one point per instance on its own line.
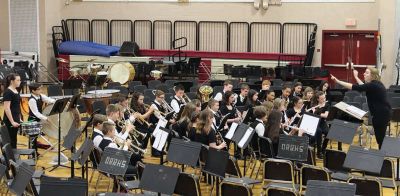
[334, 160]
[367, 186]
[265, 147]
[99, 105]
[187, 184]
[229, 188]
[232, 167]
[280, 191]
[278, 170]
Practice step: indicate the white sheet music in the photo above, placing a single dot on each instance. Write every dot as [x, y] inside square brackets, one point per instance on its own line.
[162, 122]
[246, 136]
[356, 111]
[160, 140]
[309, 124]
[231, 131]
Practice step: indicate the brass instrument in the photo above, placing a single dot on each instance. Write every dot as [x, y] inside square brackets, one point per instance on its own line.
[121, 143]
[165, 105]
[186, 98]
[205, 92]
[140, 119]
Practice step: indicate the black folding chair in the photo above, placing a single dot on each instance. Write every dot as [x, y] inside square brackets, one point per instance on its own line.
[99, 105]
[367, 186]
[310, 172]
[229, 188]
[333, 161]
[139, 88]
[152, 84]
[279, 173]
[188, 184]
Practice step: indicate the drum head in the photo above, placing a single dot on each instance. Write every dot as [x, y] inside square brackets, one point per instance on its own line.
[50, 127]
[122, 72]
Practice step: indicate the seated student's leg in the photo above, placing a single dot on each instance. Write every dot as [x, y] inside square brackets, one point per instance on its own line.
[318, 138]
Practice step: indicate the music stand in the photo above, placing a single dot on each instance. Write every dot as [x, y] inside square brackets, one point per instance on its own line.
[390, 148]
[364, 159]
[22, 179]
[342, 131]
[293, 148]
[216, 163]
[114, 161]
[317, 188]
[58, 108]
[159, 178]
[184, 152]
[51, 186]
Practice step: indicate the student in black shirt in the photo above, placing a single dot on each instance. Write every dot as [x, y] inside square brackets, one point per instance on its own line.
[265, 85]
[308, 94]
[378, 104]
[252, 101]
[294, 114]
[321, 108]
[12, 108]
[227, 107]
[183, 124]
[205, 134]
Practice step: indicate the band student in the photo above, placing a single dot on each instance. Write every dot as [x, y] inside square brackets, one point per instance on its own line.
[241, 100]
[378, 104]
[137, 105]
[97, 135]
[228, 86]
[205, 134]
[113, 112]
[177, 101]
[12, 108]
[35, 103]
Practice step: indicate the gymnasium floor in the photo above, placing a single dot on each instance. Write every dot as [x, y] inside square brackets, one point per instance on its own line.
[103, 183]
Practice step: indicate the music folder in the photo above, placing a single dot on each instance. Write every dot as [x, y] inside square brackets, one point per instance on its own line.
[342, 131]
[161, 139]
[363, 159]
[245, 140]
[184, 152]
[325, 188]
[159, 178]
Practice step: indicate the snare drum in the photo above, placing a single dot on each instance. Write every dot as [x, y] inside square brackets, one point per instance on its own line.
[31, 128]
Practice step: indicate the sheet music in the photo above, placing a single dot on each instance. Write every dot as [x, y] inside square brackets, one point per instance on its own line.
[162, 122]
[356, 111]
[160, 140]
[231, 131]
[309, 124]
[351, 110]
[246, 136]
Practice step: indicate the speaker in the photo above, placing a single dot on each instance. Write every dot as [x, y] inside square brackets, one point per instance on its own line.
[129, 49]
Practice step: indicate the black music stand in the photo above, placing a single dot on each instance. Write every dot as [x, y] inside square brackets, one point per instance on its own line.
[58, 108]
[114, 161]
[184, 152]
[50, 186]
[293, 148]
[69, 143]
[390, 148]
[342, 131]
[216, 163]
[22, 179]
[364, 159]
[318, 188]
[159, 178]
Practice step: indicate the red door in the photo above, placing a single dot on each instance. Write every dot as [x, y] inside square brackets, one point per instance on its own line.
[341, 47]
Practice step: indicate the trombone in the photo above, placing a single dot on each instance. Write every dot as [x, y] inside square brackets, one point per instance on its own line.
[121, 143]
[164, 104]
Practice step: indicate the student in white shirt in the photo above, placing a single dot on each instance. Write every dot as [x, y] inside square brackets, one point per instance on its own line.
[114, 113]
[36, 103]
[109, 138]
[97, 135]
[177, 101]
[228, 86]
[260, 115]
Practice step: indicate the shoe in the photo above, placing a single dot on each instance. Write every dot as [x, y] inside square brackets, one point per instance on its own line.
[42, 146]
[156, 153]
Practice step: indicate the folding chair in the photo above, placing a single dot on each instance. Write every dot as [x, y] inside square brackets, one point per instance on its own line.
[230, 188]
[333, 161]
[387, 175]
[279, 173]
[310, 172]
[188, 184]
[279, 191]
[367, 186]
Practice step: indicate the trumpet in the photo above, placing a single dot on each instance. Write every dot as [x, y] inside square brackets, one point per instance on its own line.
[120, 142]
[186, 98]
[140, 119]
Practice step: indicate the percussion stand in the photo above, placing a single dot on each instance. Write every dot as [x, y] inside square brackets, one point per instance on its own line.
[58, 108]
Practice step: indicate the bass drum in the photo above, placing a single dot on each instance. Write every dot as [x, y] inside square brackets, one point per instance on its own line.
[68, 119]
[122, 72]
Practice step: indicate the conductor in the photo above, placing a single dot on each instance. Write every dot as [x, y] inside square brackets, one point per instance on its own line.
[378, 104]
